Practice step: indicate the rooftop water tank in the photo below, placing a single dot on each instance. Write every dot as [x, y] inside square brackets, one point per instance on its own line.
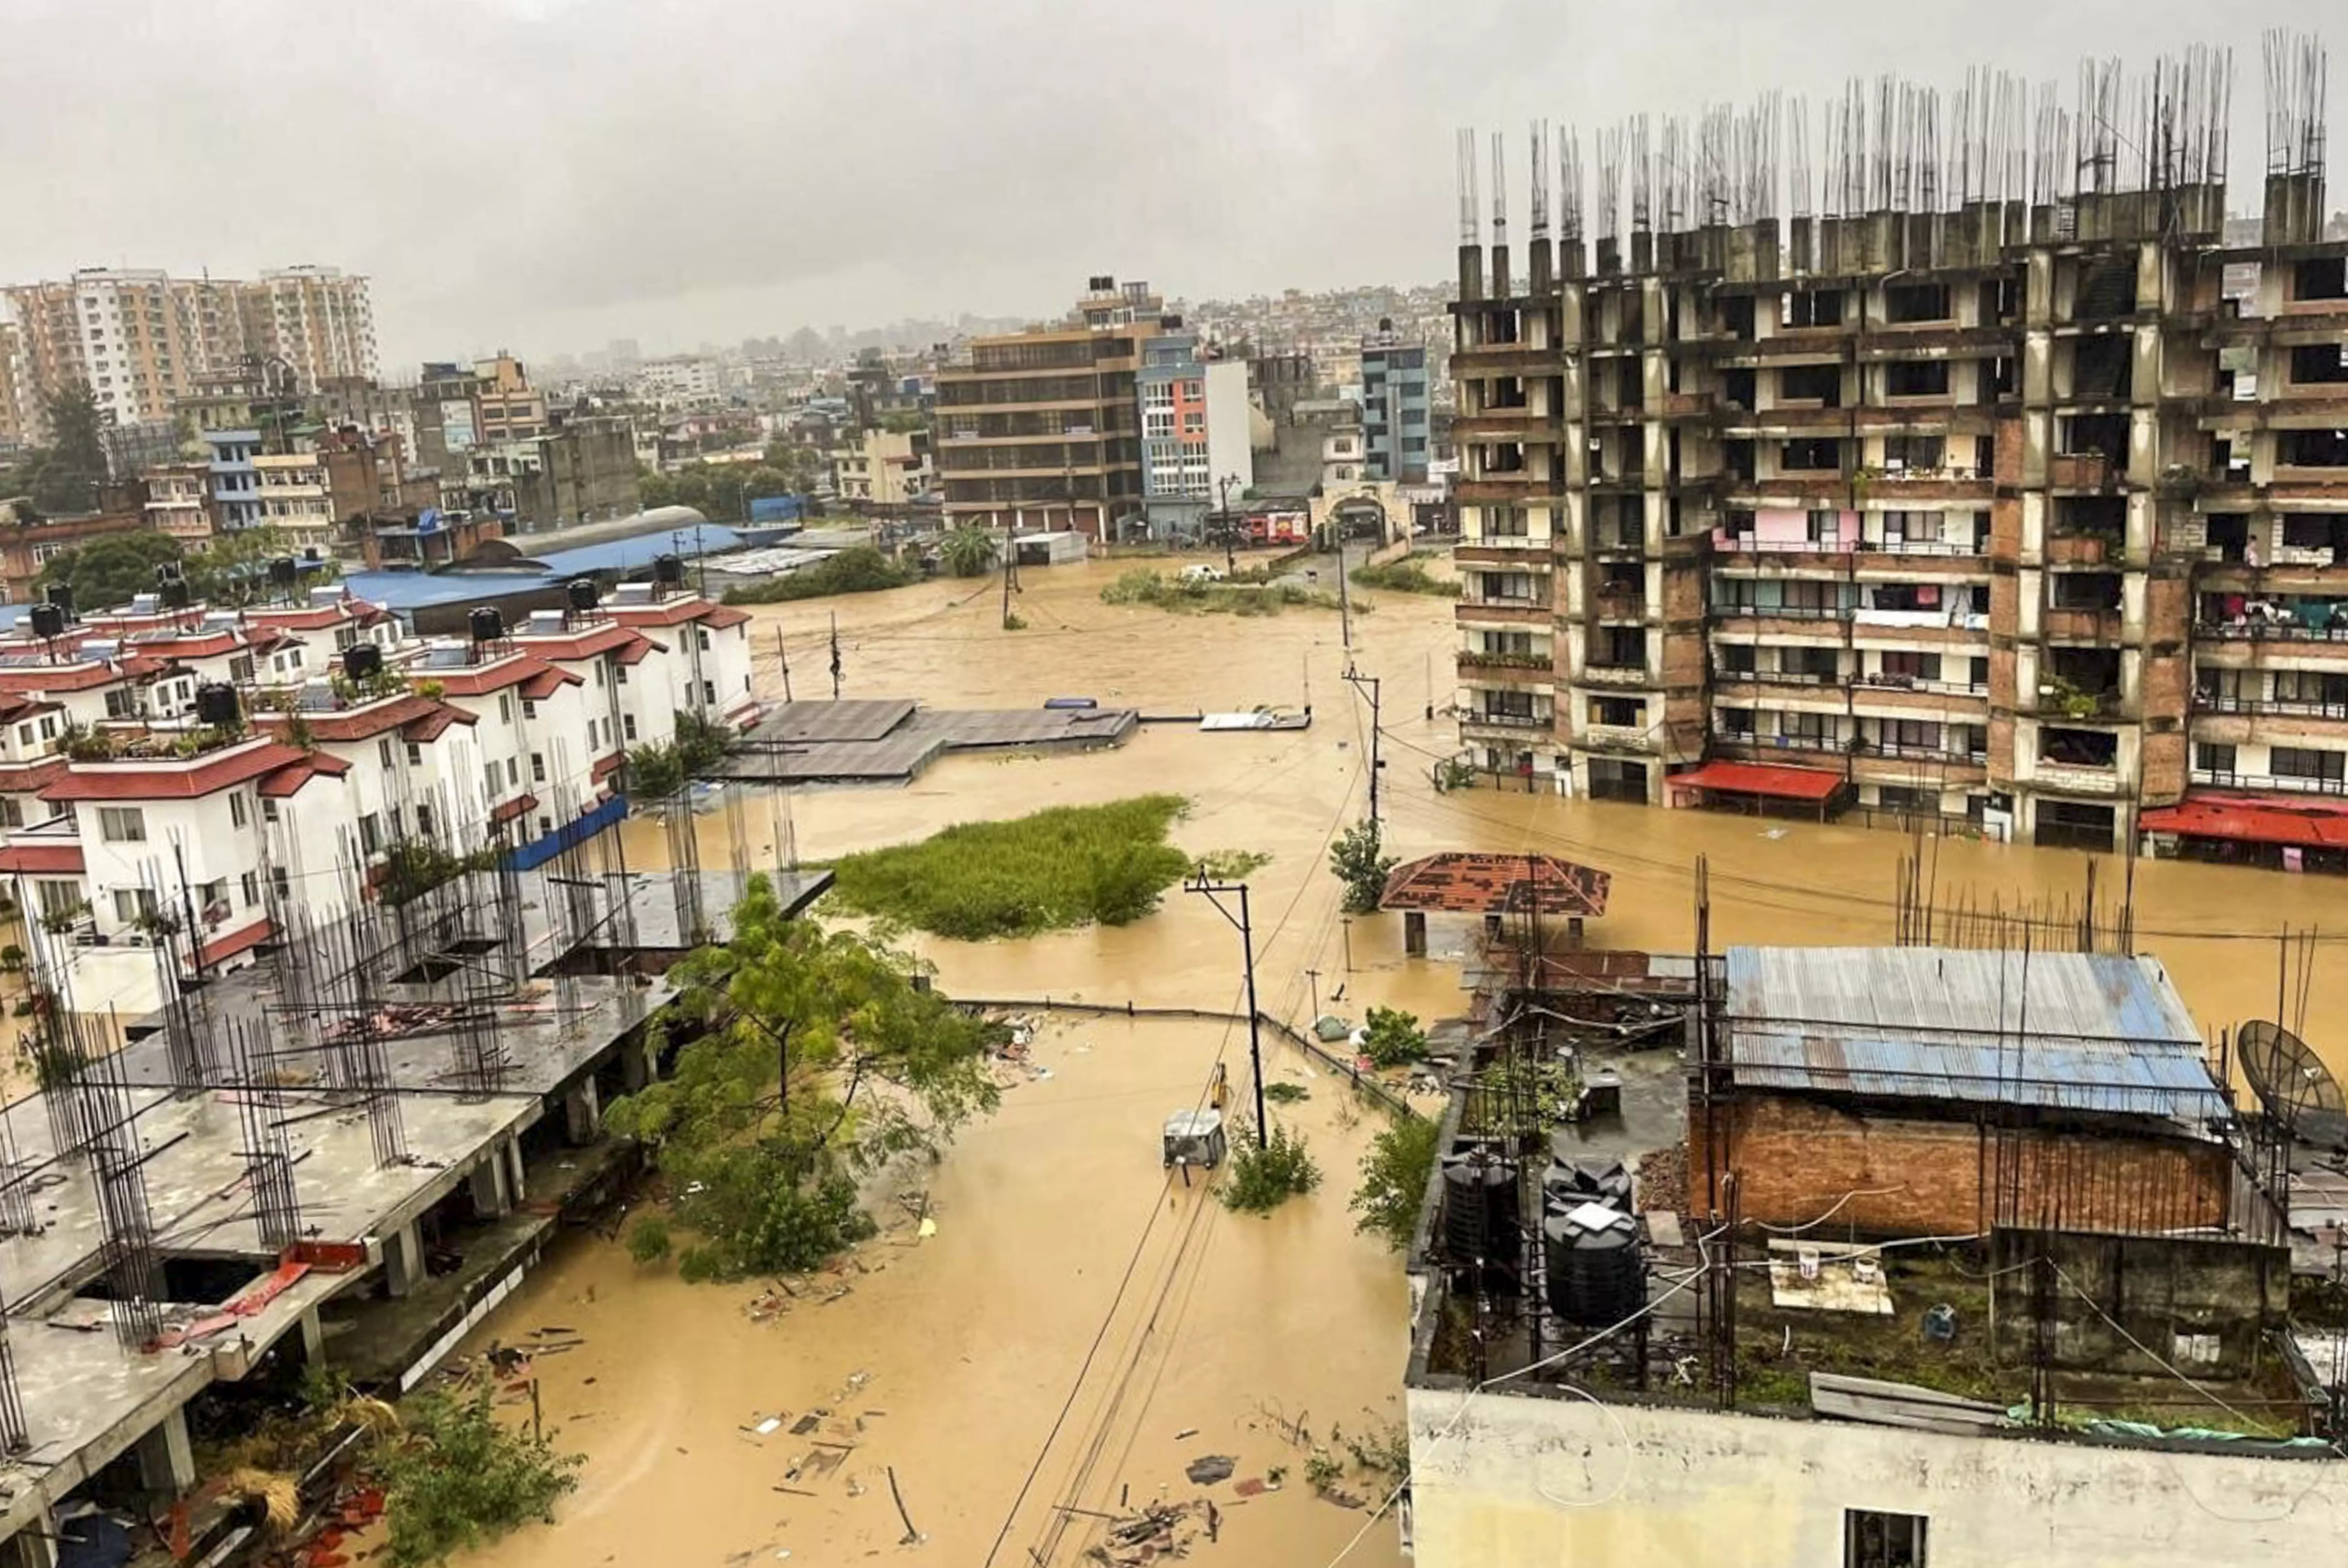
[1597, 1277]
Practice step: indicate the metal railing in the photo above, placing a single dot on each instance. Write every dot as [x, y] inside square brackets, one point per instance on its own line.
[2270, 631]
[2214, 702]
[2287, 784]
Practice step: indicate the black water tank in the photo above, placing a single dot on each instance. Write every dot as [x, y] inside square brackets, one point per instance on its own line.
[1597, 1277]
[1568, 1183]
[585, 594]
[361, 660]
[486, 623]
[668, 569]
[167, 573]
[1479, 1208]
[48, 620]
[217, 705]
[174, 593]
[284, 571]
[61, 595]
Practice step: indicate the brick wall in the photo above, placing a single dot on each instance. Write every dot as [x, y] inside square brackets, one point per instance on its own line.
[2162, 762]
[1795, 1159]
[1682, 594]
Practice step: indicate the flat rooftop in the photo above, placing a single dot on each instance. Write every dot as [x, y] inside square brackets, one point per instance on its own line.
[892, 742]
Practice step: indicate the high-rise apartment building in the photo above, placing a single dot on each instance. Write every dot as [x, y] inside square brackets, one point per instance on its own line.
[2020, 513]
[1039, 429]
[15, 389]
[1195, 454]
[140, 338]
[1396, 405]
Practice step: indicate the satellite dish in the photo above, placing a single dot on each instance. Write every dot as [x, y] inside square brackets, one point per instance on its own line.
[2292, 1082]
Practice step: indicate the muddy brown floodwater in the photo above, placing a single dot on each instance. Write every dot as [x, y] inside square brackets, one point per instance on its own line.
[971, 1338]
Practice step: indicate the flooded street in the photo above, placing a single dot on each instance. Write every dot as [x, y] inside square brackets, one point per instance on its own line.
[956, 1351]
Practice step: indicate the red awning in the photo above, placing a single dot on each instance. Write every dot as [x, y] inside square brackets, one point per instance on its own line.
[222, 948]
[2310, 825]
[38, 857]
[1758, 778]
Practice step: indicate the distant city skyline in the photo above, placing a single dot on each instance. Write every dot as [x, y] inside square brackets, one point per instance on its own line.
[545, 175]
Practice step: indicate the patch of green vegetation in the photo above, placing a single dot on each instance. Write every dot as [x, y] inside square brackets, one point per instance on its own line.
[1391, 1037]
[1394, 1172]
[1359, 860]
[660, 770]
[1228, 865]
[1069, 866]
[1286, 1093]
[414, 867]
[1143, 586]
[816, 1062]
[1261, 1179]
[858, 570]
[1406, 576]
[648, 1239]
[458, 1479]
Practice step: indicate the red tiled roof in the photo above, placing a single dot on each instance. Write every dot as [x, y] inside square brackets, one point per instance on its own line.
[38, 857]
[1758, 778]
[170, 779]
[288, 780]
[2253, 819]
[584, 644]
[605, 767]
[16, 707]
[59, 677]
[309, 617]
[722, 616]
[481, 680]
[191, 644]
[639, 645]
[220, 948]
[431, 726]
[363, 723]
[676, 612]
[506, 811]
[1469, 884]
[546, 682]
[18, 777]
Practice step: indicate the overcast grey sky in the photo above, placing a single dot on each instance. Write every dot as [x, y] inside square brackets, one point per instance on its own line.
[548, 174]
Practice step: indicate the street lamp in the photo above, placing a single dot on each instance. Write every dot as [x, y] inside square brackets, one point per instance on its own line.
[1224, 516]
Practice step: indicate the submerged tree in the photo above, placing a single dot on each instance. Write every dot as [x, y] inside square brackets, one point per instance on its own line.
[817, 1060]
[1359, 860]
[968, 551]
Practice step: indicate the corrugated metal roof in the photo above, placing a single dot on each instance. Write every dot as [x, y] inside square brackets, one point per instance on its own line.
[2090, 1031]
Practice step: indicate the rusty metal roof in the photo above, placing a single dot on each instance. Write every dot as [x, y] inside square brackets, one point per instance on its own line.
[1463, 883]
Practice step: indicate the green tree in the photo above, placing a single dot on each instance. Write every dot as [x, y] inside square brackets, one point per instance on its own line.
[234, 569]
[1391, 1037]
[457, 1478]
[818, 1059]
[108, 570]
[1359, 860]
[967, 551]
[1261, 1179]
[77, 453]
[1395, 1173]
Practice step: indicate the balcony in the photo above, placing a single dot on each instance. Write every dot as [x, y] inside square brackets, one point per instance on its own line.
[2073, 625]
[2086, 550]
[2074, 779]
[1594, 673]
[1619, 606]
[1521, 671]
[2288, 784]
[2080, 471]
[1507, 610]
[1499, 719]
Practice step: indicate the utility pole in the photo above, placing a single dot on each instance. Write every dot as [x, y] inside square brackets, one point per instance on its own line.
[1247, 948]
[834, 656]
[1011, 570]
[784, 654]
[1223, 521]
[1357, 682]
[1345, 600]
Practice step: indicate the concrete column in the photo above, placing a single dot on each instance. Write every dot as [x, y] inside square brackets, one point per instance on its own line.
[313, 1338]
[516, 1176]
[167, 1460]
[637, 1067]
[403, 1260]
[582, 1113]
[32, 1546]
[488, 1182]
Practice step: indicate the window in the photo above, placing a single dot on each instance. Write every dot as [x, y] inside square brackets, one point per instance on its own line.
[1916, 302]
[248, 886]
[56, 898]
[709, 691]
[513, 771]
[2306, 763]
[537, 765]
[2323, 278]
[505, 707]
[1917, 378]
[1901, 453]
[383, 752]
[239, 814]
[1874, 1540]
[1810, 308]
[1798, 457]
[628, 723]
[121, 824]
[129, 903]
[268, 810]
[415, 754]
[370, 834]
[1899, 665]
[489, 777]
[2210, 757]
[278, 882]
[619, 674]
[1812, 384]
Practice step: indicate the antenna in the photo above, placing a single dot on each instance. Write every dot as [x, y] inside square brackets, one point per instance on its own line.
[2292, 1082]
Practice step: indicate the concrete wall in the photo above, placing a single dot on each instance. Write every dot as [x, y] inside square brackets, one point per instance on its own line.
[1528, 1480]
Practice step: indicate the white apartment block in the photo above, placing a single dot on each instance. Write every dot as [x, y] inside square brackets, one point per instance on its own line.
[124, 817]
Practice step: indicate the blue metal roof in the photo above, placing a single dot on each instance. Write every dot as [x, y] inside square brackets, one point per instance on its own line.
[2083, 1031]
[635, 554]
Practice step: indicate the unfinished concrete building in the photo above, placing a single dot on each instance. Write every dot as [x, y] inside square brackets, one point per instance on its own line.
[1951, 465]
